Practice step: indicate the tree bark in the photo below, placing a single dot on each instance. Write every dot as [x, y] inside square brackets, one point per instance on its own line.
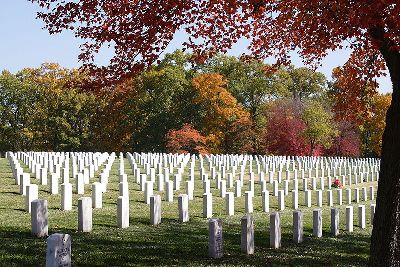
[385, 240]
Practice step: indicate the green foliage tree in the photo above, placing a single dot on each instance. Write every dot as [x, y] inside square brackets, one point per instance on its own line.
[162, 91]
[320, 127]
[17, 104]
[301, 83]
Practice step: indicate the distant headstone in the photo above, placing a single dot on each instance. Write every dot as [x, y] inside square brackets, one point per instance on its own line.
[66, 196]
[339, 197]
[183, 205]
[43, 176]
[97, 195]
[295, 199]
[54, 177]
[330, 197]
[190, 189]
[265, 201]
[349, 219]
[238, 188]
[230, 203]
[281, 199]
[307, 198]
[169, 187]
[249, 202]
[348, 196]
[155, 209]
[148, 191]
[361, 216]
[222, 188]
[85, 214]
[123, 189]
[318, 194]
[31, 194]
[25, 180]
[80, 184]
[371, 193]
[207, 205]
[123, 212]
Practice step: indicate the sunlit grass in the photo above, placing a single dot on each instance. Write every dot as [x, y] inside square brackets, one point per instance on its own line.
[171, 242]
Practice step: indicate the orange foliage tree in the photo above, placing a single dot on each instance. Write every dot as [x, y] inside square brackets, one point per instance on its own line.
[352, 95]
[186, 140]
[218, 107]
[141, 30]
[112, 124]
[376, 126]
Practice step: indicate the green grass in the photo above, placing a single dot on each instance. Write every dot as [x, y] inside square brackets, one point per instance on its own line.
[172, 243]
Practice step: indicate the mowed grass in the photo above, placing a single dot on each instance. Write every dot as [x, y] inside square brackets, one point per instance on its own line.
[172, 243]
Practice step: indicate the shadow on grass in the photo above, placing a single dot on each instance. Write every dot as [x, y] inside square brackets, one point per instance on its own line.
[172, 243]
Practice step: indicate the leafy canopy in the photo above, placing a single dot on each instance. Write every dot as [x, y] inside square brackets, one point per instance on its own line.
[140, 30]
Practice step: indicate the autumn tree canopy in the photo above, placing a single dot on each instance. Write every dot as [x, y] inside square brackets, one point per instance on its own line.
[140, 30]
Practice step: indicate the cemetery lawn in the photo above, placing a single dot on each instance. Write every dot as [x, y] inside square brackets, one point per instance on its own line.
[172, 243]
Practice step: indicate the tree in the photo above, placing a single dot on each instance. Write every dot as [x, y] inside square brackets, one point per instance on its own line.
[284, 131]
[252, 87]
[63, 113]
[247, 82]
[18, 100]
[376, 125]
[218, 108]
[347, 142]
[320, 129]
[54, 77]
[113, 123]
[302, 83]
[141, 30]
[158, 106]
[352, 96]
[241, 137]
[186, 140]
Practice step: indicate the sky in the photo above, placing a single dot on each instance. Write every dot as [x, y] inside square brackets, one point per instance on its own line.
[24, 43]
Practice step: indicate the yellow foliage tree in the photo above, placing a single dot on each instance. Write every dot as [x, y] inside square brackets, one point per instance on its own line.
[380, 105]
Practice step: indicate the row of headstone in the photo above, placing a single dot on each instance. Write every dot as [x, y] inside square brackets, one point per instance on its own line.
[57, 169]
[163, 182]
[123, 204]
[59, 245]
[215, 239]
[358, 167]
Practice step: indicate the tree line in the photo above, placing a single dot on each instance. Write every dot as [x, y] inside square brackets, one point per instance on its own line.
[224, 105]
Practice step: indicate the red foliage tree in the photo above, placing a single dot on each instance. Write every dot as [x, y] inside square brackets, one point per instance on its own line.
[241, 137]
[141, 30]
[352, 95]
[347, 143]
[186, 140]
[284, 130]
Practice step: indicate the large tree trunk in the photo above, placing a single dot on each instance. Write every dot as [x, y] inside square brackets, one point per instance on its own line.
[385, 240]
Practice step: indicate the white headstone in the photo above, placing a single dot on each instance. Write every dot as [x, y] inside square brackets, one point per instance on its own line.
[85, 214]
[32, 193]
[58, 251]
[66, 196]
[39, 217]
[215, 239]
[183, 205]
